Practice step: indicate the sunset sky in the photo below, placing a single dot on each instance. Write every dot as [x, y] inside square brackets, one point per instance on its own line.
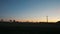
[30, 10]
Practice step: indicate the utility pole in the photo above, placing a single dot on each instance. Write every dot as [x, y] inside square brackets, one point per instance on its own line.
[47, 18]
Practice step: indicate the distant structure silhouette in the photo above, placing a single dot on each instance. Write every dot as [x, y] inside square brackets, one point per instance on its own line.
[47, 18]
[2, 20]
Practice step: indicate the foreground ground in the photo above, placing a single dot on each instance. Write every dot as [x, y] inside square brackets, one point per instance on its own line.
[29, 28]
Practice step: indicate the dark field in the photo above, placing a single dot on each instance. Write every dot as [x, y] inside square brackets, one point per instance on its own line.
[26, 28]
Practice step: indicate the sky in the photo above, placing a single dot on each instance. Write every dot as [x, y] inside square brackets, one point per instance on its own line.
[30, 10]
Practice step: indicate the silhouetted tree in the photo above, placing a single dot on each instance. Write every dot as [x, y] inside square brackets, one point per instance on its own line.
[10, 20]
[58, 22]
[14, 21]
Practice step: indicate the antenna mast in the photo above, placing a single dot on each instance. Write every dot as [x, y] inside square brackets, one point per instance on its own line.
[47, 18]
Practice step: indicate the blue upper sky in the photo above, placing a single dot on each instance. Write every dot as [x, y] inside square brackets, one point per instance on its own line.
[26, 9]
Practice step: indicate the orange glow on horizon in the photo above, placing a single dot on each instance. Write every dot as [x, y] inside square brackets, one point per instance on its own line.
[41, 19]
[37, 20]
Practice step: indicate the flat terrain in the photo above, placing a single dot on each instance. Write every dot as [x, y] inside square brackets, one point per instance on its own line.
[29, 28]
